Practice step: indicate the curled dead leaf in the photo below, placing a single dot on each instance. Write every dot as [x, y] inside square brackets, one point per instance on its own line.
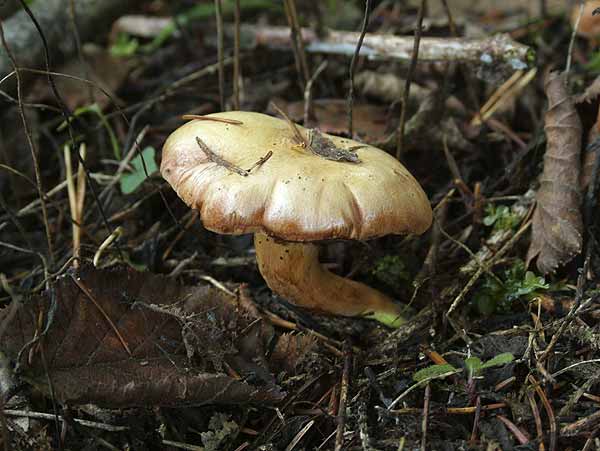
[557, 225]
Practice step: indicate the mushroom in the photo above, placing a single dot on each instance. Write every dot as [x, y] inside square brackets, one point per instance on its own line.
[301, 187]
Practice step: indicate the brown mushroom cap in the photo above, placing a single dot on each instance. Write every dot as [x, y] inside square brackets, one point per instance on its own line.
[295, 195]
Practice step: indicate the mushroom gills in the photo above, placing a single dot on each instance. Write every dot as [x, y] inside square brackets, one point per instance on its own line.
[293, 271]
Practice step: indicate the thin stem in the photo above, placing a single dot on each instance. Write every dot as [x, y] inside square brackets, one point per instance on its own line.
[220, 44]
[411, 72]
[34, 157]
[236, 57]
[363, 31]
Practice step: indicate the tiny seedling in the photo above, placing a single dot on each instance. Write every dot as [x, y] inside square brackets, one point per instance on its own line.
[473, 366]
[124, 46]
[500, 217]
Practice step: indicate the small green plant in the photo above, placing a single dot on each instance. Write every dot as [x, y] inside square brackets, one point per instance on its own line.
[472, 365]
[500, 217]
[124, 46]
[498, 294]
[130, 181]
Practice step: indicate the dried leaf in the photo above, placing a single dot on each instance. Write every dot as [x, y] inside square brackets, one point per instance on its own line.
[557, 225]
[121, 338]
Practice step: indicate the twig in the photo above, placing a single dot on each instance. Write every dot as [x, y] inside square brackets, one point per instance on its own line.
[498, 50]
[319, 144]
[236, 56]
[476, 419]
[182, 445]
[36, 164]
[124, 163]
[352, 70]
[192, 216]
[538, 420]
[260, 162]
[49, 416]
[220, 53]
[589, 422]
[301, 139]
[363, 427]
[573, 35]
[78, 47]
[189, 117]
[548, 409]
[449, 410]
[409, 77]
[308, 92]
[76, 198]
[220, 161]
[106, 243]
[88, 294]
[512, 427]
[3, 425]
[570, 367]
[591, 440]
[299, 435]
[297, 44]
[341, 413]
[425, 421]
[508, 90]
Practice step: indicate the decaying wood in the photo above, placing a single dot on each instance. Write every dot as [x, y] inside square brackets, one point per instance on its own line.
[557, 225]
[496, 50]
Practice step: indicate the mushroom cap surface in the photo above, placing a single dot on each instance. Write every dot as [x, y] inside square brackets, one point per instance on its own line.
[295, 195]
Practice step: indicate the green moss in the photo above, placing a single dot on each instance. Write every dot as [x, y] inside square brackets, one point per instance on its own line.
[391, 270]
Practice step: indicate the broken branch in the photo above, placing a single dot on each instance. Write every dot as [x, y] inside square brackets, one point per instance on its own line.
[498, 49]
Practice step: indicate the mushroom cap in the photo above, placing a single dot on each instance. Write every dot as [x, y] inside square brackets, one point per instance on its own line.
[295, 195]
[589, 25]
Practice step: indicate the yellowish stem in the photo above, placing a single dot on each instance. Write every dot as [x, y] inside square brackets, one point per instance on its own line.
[293, 271]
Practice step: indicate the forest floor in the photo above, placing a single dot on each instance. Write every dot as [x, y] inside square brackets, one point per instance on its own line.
[125, 324]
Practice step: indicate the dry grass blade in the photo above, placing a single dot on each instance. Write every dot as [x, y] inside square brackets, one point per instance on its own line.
[557, 225]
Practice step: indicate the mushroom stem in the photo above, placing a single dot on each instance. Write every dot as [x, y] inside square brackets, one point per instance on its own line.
[293, 271]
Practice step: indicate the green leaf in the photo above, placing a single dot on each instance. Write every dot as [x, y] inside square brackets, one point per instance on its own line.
[434, 371]
[124, 46]
[130, 181]
[501, 217]
[499, 360]
[473, 365]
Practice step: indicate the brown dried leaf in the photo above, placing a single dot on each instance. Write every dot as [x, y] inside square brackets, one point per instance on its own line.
[166, 346]
[557, 225]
